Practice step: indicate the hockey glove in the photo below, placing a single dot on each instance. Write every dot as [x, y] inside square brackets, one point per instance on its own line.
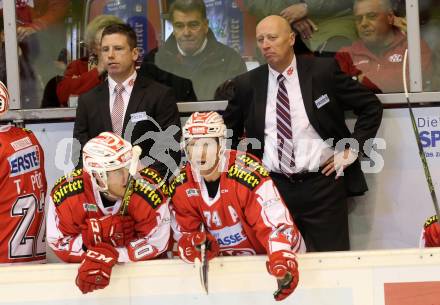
[189, 246]
[96, 268]
[282, 264]
[115, 230]
[432, 232]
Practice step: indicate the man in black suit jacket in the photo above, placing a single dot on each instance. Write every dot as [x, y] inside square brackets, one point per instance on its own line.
[147, 112]
[314, 190]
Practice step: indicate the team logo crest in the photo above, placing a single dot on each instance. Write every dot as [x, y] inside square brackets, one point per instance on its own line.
[395, 58]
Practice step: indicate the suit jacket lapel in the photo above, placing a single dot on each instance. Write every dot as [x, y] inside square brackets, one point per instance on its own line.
[260, 102]
[137, 94]
[103, 99]
[305, 82]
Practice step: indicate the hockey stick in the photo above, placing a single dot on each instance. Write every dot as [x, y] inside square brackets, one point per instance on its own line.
[283, 283]
[136, 153]
[202, 265]
[419, 143]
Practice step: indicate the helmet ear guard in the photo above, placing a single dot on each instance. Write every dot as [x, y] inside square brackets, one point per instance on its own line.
[104, 153]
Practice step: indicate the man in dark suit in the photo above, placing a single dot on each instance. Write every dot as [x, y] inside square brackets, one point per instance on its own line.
[143, 111]
[294, 107]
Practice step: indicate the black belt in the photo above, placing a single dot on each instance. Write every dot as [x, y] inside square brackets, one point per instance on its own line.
[298, 177]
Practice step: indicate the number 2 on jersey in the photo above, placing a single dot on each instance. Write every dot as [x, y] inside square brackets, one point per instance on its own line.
[21, 244]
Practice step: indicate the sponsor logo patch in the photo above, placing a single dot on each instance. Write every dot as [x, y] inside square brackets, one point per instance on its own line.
[253, 164]
[68, 177]
[149, 192]
[395, 58]
[21, 143]
[430, 221]
[178, 180]
[67, 189]
[24, 161]
[90, 207]
[192, 192]
[229, 236]
[244, 176]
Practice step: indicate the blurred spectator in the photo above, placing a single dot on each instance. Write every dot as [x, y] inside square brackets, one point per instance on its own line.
[194, 53]
[376, 58]
[36, 15]
[182, 87]
[33, 18]
[429, 29]
[83, 74]
[30, 85]
[324, 26]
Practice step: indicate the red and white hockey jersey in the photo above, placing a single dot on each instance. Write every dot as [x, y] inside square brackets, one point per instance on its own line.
[75, 198]
[246, 217]
[23, 188]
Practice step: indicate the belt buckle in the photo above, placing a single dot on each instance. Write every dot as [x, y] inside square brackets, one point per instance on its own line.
[293, 180]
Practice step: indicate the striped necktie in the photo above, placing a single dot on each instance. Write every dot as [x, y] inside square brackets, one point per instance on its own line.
[118, 110]
[284, 129]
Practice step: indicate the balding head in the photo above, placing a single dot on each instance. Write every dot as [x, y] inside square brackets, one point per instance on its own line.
[277, 22]
[275, 40]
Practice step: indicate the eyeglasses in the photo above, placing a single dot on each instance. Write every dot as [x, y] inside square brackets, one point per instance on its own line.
[192, 25]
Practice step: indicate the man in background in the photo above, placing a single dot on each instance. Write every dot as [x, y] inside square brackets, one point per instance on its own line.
[294, 106]
[143, 111]
[376, 59]
[194, 53]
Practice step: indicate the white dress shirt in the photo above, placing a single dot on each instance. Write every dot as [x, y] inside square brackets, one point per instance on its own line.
[309, 148]
[128, 86]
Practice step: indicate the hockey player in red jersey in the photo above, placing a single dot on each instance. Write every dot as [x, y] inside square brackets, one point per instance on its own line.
[431, 232]
[22, 192]
[230, 195]
[84, 221]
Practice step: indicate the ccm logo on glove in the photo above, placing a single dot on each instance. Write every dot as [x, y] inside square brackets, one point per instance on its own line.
[99, 256]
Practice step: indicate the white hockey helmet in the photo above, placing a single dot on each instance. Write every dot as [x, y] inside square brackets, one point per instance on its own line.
[4, 99]
[104, 153]
[204, 125]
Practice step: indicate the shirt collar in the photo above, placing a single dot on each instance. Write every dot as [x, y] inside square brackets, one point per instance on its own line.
[128, 83]
[196, 52]
[288, 72]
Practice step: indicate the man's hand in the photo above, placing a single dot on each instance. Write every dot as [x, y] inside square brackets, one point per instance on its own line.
[400, 23]
[189, 246]
[432, 232]
[96, 268]
[339, 162]
[115, 230]
[294, 12]
[280, 265]
[23, 32]
[305, 28]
